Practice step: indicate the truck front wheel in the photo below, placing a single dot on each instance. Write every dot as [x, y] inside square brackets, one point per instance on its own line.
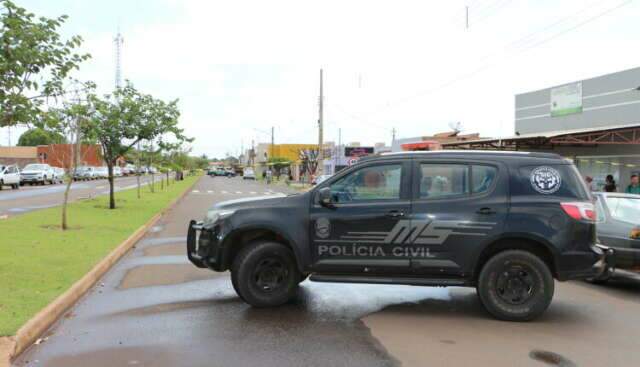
[264, 274]
[515, 285]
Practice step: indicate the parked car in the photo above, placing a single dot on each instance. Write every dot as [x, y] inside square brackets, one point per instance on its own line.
[618, 227]
[91, 173]
[117, 171]
[10, 176]
[37, 173]
[229, 173]
[129, 169]
[101, 172]
[58, 174]
[248, 174]
[506, 223]
[79, 173]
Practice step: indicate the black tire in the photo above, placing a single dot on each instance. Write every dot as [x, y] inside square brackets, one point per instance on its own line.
[515, 285]
[1, 185]
[265, 274]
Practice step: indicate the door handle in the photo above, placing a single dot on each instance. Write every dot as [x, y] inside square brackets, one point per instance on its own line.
[485, 211]
[395, 214]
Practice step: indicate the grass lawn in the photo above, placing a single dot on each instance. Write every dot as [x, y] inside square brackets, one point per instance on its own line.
[38, 261]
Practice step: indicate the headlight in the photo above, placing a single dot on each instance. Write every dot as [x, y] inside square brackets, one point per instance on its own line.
[215, 215]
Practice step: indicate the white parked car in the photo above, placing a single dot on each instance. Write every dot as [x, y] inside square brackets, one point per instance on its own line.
[10, 176]
[101, 172]
[117, 171]
[58, 174]
[37, 173]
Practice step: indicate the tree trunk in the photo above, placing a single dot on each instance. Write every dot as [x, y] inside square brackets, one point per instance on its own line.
[138, 171]
[112, 198]
[75, 151]
[167, 178]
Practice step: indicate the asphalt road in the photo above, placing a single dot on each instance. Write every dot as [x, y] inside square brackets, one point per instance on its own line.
[29, 198]
[155, 309]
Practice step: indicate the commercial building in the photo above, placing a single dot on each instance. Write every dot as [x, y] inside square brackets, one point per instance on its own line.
[61, 155]
[56, 155]
[433, 142]
[595, 122]
[18, 155]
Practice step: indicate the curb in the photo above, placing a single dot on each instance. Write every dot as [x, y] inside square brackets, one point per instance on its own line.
[38, 324]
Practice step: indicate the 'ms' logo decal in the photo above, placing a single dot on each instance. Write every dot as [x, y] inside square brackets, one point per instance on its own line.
[419, 232]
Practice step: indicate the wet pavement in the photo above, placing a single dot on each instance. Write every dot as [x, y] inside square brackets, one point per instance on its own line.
[155, 309]
[29, 198]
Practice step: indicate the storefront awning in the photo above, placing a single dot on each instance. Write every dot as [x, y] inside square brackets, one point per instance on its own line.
[613, 135]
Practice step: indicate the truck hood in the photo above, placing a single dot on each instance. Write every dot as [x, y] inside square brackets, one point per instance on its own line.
[250, 202]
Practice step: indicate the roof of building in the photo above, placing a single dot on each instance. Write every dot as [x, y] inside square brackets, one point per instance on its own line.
[19, 152]
[593, 135]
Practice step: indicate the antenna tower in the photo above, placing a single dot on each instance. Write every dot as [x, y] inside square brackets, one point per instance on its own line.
[118, 41]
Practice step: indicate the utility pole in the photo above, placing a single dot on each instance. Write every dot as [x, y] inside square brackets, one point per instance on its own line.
[466, 17]
[320, 127]
[272, 143]
[393, 136]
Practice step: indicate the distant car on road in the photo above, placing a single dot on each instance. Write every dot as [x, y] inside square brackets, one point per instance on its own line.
[618, 227]
[37, 173]
[10, 176]
[248, 174]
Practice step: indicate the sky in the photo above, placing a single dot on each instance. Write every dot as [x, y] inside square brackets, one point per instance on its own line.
[241, 67]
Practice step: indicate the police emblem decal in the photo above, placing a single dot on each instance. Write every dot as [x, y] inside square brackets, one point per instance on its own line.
[323, 227]
[545, 180]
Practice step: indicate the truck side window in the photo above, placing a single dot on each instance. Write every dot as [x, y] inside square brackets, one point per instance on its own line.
[439, 181]
[482, 178]
[369, 183]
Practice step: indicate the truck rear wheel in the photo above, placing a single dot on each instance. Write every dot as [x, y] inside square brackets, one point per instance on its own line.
[265, 274]
[515, 285]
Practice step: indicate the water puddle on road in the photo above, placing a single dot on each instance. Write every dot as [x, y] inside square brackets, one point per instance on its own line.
[163, 274]
[165, 250]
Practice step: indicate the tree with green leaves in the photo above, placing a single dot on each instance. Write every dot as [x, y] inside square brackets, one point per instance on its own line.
[39, 136]
[126, 117]
[67, 120]
[34, 62]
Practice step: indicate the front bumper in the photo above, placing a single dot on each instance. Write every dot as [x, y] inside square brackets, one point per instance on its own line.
[31, 179]
[203, 246]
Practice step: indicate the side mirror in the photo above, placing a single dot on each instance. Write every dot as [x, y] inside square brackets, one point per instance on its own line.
[324, 196]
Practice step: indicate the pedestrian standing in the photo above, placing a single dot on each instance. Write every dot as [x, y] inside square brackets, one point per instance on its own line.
[634, 187]
[610, 184]
[589, 181]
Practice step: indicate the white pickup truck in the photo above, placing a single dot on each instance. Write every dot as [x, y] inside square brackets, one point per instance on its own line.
[10, 176]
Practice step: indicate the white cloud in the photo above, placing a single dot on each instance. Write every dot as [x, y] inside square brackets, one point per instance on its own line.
[245, 65]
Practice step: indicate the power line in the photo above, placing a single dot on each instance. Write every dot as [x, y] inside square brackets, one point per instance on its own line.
[517, 52]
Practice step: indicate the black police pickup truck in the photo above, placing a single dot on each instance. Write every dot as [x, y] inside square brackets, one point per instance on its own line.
[507, 223]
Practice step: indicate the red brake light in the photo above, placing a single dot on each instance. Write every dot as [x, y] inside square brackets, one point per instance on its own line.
[580, 211]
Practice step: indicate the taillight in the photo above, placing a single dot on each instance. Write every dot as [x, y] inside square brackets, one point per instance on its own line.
[635, 233]
[580, 211]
